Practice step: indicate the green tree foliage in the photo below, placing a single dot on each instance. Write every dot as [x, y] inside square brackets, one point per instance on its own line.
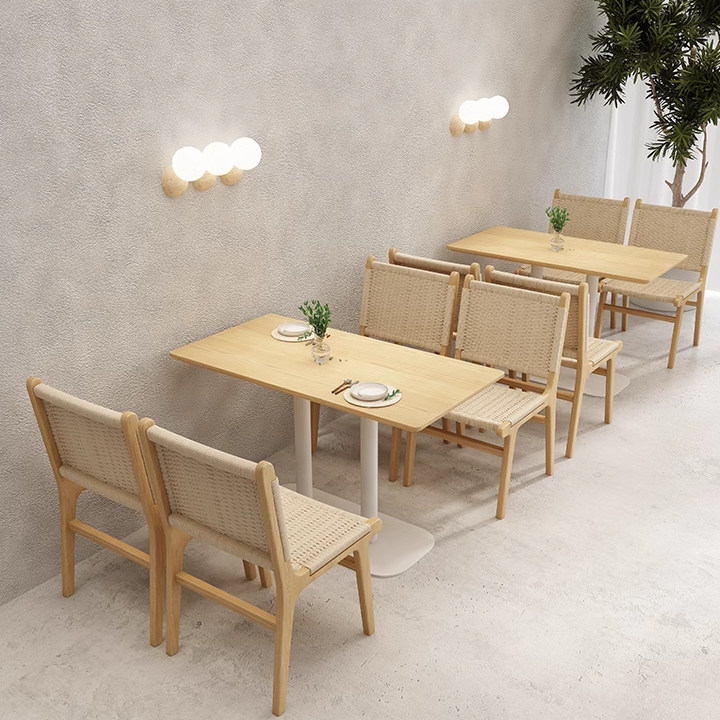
[672, 46]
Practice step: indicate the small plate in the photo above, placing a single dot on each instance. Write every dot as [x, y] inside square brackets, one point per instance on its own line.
[369, 391]
[293, 329]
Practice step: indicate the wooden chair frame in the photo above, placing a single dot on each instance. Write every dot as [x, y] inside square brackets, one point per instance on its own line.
[68, 493]
[507, 432]
[289, 582]
[679, 302]
[583, 369]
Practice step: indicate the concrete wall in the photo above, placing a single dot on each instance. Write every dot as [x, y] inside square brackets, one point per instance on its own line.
[102, 274]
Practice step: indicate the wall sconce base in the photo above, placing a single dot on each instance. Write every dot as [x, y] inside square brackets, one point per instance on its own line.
[205, 182]
[471, 128]
[484, 125]
[172, 185]
[232, 177]
[457, 126]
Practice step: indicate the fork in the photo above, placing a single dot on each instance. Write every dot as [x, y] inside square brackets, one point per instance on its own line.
[342, 385]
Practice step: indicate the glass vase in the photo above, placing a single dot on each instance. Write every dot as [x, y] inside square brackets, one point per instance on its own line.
[558, 242]
[320, 350]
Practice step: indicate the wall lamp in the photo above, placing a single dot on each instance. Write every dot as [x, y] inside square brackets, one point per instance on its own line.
[190, 165]
[478, 114]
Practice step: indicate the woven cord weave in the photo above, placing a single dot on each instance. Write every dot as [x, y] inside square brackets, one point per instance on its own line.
[495, 405]
[661, 290]
[407, 306]
[89, 439]
[594, 218]
[675, 230]
[507, 327]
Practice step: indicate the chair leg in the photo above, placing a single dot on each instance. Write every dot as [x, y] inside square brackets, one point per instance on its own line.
[626, 303]
[600, 313]
[250, 570]
[609, 389]
[507, 459]
[410, 443]
[265, 577]
[446, 428]
[675, 336]
[68, 493]
[314, 424]
[550, 438]
[613, 314]
[176, 542]
[698, 317]
[580, 378]
[362, 573]
[283, 641]
[395, 446]
[157, 583]
[460, 430]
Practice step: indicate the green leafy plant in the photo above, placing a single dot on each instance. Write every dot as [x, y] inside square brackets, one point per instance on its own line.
[672, 46]
[391, 395]
[558, 218]
[317, 315]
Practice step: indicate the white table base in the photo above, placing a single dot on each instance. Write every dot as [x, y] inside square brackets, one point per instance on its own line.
[399, 545]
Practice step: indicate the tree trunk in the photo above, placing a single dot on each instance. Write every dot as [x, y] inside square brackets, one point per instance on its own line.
[677, 185]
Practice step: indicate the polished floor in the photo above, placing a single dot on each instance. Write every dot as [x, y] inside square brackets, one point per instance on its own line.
[596, 597]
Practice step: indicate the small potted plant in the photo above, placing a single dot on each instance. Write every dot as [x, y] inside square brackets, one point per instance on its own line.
[558, 219]
[318, 318]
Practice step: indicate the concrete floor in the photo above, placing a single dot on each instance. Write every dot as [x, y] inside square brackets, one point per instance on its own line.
[596, 597]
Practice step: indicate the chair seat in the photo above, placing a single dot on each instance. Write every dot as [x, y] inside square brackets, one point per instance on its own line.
[598, 351]
[662, 289]
[495, 405]
[318, 532]
[555, 275]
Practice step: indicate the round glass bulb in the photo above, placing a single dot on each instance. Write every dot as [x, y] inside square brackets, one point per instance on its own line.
[188, 164]
[246, 153]
[468, 112]
[484, 110]
[218, 160]
[500, 107]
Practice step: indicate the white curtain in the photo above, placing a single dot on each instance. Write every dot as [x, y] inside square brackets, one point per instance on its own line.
[631, 174]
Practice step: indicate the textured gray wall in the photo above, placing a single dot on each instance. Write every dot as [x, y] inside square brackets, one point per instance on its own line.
[102, 274]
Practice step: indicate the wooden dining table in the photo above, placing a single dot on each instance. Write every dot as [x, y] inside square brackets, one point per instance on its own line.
[431, 386]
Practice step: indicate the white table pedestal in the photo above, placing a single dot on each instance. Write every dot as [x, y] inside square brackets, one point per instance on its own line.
[399, 545]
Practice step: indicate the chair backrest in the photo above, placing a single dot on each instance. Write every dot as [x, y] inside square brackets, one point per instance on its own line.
[408, 306]
[437, 266]
[510, 328]
[229, 502]
[91, 445]
[594, 218]
[576, 333]
[676, 230]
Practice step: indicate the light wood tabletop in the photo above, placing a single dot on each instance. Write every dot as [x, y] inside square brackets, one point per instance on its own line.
[591, 257]
[431, 385]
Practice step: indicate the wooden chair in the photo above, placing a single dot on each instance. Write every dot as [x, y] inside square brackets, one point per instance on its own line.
[239, 506]
[93, 448]
[586, 355]
[412, 307]
[514, 329]
[676, 230]
[437, 266]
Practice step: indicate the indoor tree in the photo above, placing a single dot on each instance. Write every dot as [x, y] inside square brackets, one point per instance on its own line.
[672, 46]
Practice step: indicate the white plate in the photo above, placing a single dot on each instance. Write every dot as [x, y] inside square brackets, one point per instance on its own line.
[293, 329]
[369, 391]
[291, 338]
[347, 395]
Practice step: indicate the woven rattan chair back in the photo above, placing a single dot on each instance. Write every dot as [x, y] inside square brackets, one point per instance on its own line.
[576, 333]
[676, 230]
[213, 496]
[408, 306]
[507, 327]
[92, 449]
[594, 218]
[437, 266]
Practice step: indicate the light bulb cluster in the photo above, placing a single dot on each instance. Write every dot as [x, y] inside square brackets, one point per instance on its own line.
[474, 114]
[202, 168]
